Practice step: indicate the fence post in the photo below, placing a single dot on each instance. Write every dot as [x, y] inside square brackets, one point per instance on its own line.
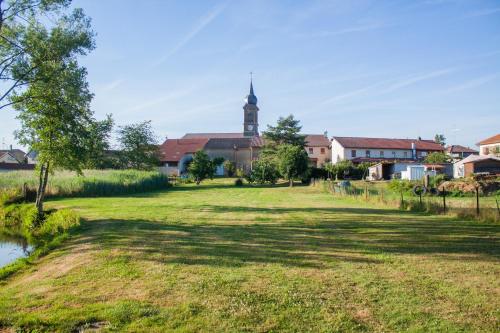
[444, 201]
[477, 200]
[366, 192]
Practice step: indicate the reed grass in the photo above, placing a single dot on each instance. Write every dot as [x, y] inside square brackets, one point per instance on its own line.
[93, 183]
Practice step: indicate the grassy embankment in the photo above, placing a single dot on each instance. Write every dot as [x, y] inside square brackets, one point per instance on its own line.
[222, 258]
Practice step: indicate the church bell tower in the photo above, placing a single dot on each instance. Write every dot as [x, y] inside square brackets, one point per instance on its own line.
[250, 114]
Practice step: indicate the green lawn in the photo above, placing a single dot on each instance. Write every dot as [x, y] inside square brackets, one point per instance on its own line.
[221, 258]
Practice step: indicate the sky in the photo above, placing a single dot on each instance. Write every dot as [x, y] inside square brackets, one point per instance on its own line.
[399, 69]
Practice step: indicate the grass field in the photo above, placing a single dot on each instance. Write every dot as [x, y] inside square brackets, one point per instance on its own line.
[221, 258]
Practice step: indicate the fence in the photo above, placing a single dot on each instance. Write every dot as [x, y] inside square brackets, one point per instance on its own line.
[471, 206]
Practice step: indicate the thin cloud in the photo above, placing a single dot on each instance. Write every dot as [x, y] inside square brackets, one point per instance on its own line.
[202, 23]
[417, 78]
[350, 94]
[112, 85]
[354, 29]
[484, 12]
[472, 83]
[161, 100]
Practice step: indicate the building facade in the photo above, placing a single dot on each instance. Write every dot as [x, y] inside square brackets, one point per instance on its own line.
[490, 146]
[318, 149]
[361, 149]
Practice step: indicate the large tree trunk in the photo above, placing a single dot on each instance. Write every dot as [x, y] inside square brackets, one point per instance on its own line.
[42, 185]
[291, 182]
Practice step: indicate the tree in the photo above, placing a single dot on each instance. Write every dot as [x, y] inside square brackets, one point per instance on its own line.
[20, 58]
[287, 131]
[202, 167]
[437, 157]
[139, 146]
[56, 120]
[439, 138]
[342, 169]
[292, 161]
[265, 170]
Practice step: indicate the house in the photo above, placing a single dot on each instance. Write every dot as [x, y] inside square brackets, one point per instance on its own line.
[31, 157]
[175, 154]
[318, 149]
[490, 146]
[457, 152]
[361, 149]
[476, 164]
[6, 156]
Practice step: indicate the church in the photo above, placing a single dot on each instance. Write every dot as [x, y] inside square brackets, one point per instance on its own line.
[240, 148]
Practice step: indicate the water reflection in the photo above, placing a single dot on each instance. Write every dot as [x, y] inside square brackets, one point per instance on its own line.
[12, 247]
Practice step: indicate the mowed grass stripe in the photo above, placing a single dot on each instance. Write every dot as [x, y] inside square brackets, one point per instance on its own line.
[222, 258]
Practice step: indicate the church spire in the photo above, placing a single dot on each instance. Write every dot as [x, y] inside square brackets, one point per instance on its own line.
[251, 98]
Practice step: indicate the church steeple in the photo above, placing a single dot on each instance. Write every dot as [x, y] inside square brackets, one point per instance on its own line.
[250, 116]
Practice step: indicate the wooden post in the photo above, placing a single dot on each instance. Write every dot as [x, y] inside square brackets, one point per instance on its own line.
[366, 192]
[444, 201]
[477, 200]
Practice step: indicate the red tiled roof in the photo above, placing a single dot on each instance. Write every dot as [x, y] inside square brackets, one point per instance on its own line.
[490, 140]
[172, 150]
[317, 140]
[460, 149]
[213, 135]
[383, 143]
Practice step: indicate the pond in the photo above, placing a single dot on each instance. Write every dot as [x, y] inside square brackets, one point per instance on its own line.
[12, 247]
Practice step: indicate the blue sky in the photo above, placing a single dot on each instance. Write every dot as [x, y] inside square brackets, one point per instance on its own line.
[353, 68]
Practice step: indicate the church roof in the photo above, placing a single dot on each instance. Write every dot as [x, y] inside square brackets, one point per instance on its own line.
[230, 143]
[172, 150]
[212, 135]
[251, 98]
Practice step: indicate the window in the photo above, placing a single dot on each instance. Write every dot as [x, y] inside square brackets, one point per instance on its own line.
[393, 154]
[486, 151]
[353, 153]
[424, 153]
[405, 154]
[311, 150]
[367, 153]
[381, 153]
[323, 151]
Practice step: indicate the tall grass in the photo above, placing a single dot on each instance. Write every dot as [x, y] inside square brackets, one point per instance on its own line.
[462, 207]
[93, 183]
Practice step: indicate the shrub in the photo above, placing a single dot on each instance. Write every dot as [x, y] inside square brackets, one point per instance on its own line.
[59, 222]
[230, 168]
[264, 171]
[19, 215]
[238, 182]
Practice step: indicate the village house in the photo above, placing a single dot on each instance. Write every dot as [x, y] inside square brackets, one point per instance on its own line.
[14, 159]
[490, 146]
[360, 149]
[318, 149]
[457, 152]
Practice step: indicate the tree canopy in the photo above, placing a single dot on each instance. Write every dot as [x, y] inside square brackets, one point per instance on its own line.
[437, 157]
[286, 131]
[439, 138]
[28, 42]
[202, 167]
[292, 161]
[139, 146]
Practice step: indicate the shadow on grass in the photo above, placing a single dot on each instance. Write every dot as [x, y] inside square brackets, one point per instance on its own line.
[330, 236]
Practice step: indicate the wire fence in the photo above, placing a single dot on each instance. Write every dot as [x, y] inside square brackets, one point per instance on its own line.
[476, 206]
